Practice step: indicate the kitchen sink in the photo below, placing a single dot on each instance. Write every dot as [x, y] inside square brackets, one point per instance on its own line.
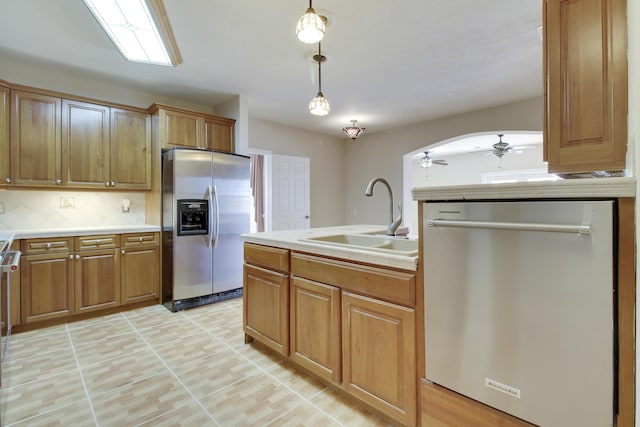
[385, 244]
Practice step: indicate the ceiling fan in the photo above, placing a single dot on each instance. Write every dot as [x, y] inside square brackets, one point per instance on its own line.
[501, 148]
[427, 161]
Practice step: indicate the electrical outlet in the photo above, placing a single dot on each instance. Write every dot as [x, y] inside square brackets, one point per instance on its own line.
[67, 203]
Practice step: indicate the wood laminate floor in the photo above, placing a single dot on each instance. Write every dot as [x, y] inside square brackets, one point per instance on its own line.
[151, 367]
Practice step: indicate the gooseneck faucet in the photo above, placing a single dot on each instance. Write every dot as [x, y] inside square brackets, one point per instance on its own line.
[393, 224]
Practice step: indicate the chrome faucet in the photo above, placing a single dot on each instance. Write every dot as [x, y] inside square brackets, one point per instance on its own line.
[393, 224]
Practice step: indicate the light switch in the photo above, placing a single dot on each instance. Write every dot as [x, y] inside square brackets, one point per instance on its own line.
[126, 205]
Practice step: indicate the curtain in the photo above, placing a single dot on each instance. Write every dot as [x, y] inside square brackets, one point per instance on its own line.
[257, 188]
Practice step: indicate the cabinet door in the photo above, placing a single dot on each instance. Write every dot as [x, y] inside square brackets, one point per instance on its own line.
[130, 149]
[46, 286]
[585, 85]
[181, 129]
[97, 280]
[139, 274]
[85, 144]
[266, 307]
[379, 355]
[315, 328]
[5, 109]
[35, 139]
[219, 134]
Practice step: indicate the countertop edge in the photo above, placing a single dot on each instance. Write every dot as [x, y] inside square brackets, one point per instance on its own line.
[579, 188]
[290, 239]
[81, 231]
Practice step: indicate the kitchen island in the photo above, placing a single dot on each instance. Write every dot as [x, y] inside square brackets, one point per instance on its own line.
[345, 314]
[441, 405]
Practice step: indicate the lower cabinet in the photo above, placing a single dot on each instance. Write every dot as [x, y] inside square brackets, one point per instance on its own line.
[97, 280]
[46, 279]
[66, 276]
[266, 307]
[379, 355]
[352, 325]
[139, 267]
[315, 328]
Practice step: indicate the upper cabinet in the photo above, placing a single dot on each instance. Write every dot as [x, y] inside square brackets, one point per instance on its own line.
[5, 108]
[73, 143]
[181, 128]
[35, 139]
[585, 92]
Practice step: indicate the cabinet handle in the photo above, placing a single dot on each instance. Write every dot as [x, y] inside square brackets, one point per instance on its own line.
[77, 256]
[58, 181]
[71, 256]
[113, 184]
[106, 184]
[141, 239]
[48, 245]
[123, 252]
[8, 180]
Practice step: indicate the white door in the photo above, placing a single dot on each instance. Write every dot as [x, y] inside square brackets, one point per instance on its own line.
[290, 186]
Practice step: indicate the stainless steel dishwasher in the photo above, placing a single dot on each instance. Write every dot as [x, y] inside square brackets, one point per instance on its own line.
[520, 307]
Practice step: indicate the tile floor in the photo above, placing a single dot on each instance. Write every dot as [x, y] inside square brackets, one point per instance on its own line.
[151, 367]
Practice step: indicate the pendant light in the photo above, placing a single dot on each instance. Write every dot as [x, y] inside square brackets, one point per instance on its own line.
[319, 106]
[353, 131]
[311, 27]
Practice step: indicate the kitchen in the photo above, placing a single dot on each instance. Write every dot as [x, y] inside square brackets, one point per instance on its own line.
[337, 197]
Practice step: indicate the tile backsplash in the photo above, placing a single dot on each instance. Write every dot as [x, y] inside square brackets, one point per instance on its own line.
[29, 209]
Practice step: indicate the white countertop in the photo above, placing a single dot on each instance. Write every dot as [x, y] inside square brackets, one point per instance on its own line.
[79, 231]
[290, 239]
[578, 188]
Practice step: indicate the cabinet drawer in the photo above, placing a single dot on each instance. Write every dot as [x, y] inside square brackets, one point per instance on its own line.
[388, 285]
[140, 239]
[266, 256]
[103, 241]
[46, 245]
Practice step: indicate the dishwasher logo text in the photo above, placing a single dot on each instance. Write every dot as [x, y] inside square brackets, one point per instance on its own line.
[511, 391]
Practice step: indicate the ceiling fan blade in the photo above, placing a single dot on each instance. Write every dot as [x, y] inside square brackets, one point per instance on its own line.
[440, 162]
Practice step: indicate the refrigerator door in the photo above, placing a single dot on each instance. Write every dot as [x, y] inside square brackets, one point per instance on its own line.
[192, 269]
[231, 208]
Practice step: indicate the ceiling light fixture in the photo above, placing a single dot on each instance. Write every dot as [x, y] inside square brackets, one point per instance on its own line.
[319, 106]
[353, 131]
[311, 27]
[139, 29]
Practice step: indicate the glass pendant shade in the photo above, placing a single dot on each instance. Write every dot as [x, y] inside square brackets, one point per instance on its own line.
[310, 28]
[353, 131]
[319, 106]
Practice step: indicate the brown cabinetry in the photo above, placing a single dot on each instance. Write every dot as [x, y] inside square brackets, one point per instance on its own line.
[97, 273]
[585, 92]
[139, 266]
[351, 324]
[74, 143]
[182, 128]
[35, 139]
[379, 355]
[68, 276]
[5, 119]
[46, 273]
[266, 296]
[315, 328]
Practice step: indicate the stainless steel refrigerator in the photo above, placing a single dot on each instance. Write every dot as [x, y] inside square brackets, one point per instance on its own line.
[205, 207]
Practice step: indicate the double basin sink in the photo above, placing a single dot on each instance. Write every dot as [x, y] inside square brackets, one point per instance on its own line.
[374, 243]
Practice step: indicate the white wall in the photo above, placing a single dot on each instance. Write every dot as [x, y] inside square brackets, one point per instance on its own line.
[327, 165]
[381, 154]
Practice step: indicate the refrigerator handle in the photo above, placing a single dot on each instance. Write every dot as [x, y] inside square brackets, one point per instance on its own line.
[217, 217]
[210, 219]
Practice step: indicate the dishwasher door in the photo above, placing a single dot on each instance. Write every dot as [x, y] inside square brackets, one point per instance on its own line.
[519, 307]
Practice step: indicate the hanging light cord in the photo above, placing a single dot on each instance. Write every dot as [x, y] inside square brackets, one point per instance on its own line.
[319, 67]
